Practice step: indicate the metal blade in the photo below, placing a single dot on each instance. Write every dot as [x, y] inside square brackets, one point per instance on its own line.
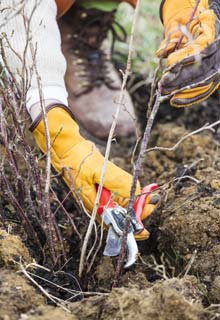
[132, 250]
[113, 243]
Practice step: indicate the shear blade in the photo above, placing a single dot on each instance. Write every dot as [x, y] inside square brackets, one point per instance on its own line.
[132, 250]
[113, 244]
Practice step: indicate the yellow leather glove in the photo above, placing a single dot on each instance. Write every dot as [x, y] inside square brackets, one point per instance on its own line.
[193, 61]
[153, 202]
[74, 156]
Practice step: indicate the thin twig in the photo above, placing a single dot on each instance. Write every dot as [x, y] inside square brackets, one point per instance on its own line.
[77, 292]
[208, 127]
[136, 172]
[191, 261]
[108, 147]
[49, 296]
[153, 89]
[46, 128]
[13, 89]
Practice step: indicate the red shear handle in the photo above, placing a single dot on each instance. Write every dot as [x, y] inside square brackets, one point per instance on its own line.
[105, 201]
[140, 201]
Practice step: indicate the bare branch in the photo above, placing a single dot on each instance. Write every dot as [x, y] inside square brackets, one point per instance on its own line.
[108, 147]
[208, 127]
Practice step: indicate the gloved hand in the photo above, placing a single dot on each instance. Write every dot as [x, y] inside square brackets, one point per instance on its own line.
[195, 60]
[80, 162]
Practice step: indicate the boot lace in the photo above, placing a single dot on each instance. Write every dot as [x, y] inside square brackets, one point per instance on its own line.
[93, 62]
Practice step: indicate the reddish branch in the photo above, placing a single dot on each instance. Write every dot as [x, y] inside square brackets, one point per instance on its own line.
[136, 172]
[138, 164]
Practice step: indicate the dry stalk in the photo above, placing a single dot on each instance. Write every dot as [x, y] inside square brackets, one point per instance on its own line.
[75, 294]
[155, 101]
[208, 127]
[108, 147]
[191, 261]
[53, 235]
[96, 251]
[29, 195]
[52, 298]
[136, 172]
[159, 268]
[66, 212]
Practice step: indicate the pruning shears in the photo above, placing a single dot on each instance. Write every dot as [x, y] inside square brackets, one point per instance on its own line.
[114, 215]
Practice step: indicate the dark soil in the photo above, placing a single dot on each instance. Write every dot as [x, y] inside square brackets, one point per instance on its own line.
[178, 273]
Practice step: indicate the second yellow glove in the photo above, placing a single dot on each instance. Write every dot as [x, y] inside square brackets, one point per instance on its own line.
[191, 47]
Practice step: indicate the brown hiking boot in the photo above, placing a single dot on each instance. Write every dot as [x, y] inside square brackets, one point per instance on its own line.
[93, 83]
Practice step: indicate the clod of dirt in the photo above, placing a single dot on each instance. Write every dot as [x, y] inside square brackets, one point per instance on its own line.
[105, 273]
[88, 309]
[193, 223]
[16, 296]
[135, 279]
[166, 300]
[190, 222]
[48, 313]
[215, 290]
[209, 175]
[169, 134]
[12, 250]
[162, 164]
[174, 299]
[207, 264]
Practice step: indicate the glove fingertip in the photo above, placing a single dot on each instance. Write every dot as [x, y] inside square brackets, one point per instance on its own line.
[143, 235]
[148, 211]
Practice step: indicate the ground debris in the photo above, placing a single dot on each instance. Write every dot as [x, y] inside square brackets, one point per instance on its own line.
[48, 313]
[12, 250]
[192, 223]
[167, 300]
[16, 296]
[187, 225]
[88, 309]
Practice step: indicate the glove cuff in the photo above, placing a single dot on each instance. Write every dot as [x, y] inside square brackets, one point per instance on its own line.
[51, 106]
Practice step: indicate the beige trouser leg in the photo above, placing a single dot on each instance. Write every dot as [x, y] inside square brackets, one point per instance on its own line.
[32, 46]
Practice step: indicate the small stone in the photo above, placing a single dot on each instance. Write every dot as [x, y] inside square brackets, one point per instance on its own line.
[215, 184]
